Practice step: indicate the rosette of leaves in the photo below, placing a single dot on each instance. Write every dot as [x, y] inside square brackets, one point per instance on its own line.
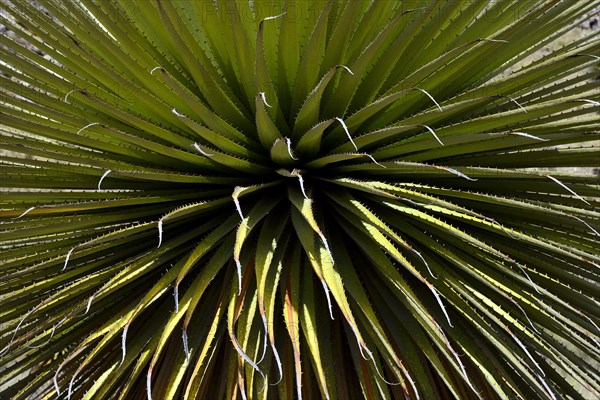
[285, 200]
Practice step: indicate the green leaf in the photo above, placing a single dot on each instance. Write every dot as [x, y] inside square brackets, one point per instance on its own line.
[198, 203]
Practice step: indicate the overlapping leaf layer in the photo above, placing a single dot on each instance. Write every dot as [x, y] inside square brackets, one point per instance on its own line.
[283, 200]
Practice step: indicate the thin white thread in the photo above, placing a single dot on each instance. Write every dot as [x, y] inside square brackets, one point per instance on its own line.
[455, 172]
[528, 136]
[492, 220]
[374, 160]
[326, 288]
[68, 256]
[301, 180]
[241, 384]
[264, 99]
[550, 392]
[412, 383]
[102, 178]
[265, 343]
[89, 304]
[246, 358]
[51, 334]
[522, 346]
[361, 348]
[341, 121]
[596, 103]
[526, 316]
[70, 389]
[25, 212]
[72, 91]
[236, 201]
[239, 274]
[433, 133]
[279, 364]
[430, 96]
[238, 207]
[566, 187]
[275, 353]
[7, 347]
[380, 375]
[124, 344]
[590, 320]
[289, 148]
[327, 248]
[174, 111]
[149, 384]
[160, 232]
[204, 153]
[186, 349]
[535, 287]
[346, 68]
[586, 224]
[494, 40]
[517, 103]
[457, 357]
[176, 297]
[87, 126]
[439, 300]
[274, 17]
[588, 55]
[55, 381]
[424, 262]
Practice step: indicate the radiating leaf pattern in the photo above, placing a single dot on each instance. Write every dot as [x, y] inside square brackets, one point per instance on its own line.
[291, 199]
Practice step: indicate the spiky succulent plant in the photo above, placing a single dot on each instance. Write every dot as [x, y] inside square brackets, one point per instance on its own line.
[283, 200]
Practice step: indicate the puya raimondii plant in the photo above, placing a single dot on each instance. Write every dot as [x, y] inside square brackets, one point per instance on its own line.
[298, 200]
